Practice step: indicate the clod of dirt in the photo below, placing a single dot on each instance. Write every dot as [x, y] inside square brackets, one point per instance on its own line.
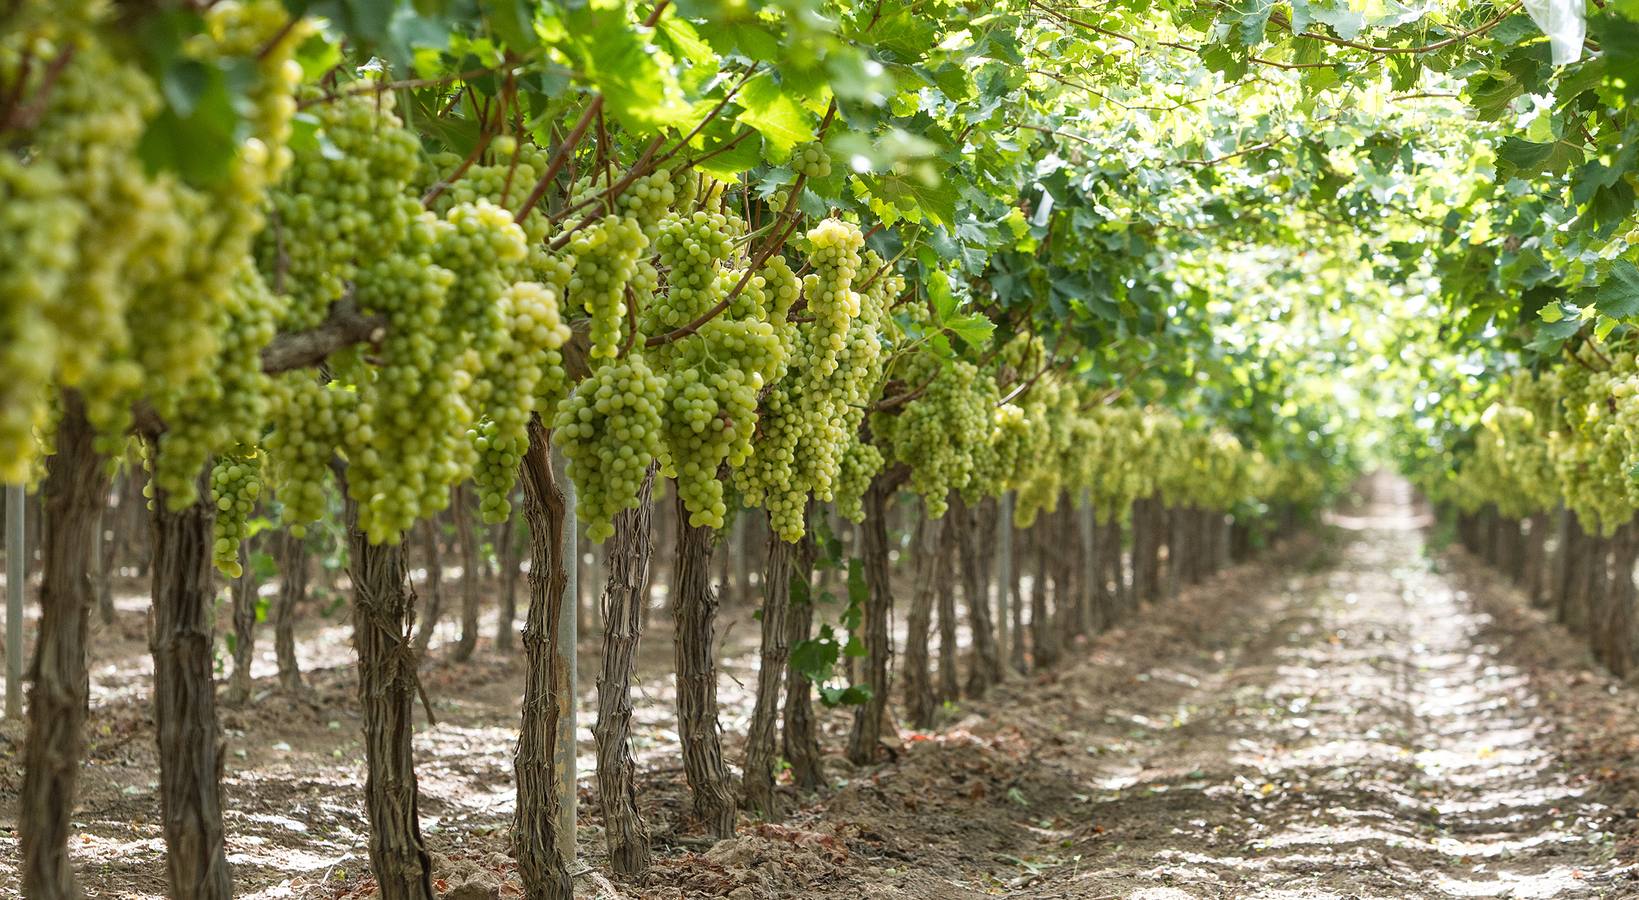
[477, 889]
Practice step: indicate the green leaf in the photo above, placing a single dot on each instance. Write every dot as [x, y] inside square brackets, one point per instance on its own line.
[944, 303]
[1618, 295]
[1250, 18]
[686, 40]
[728, 165]
[1224, 60]
[197, 134]
[638, 91]
[925, 196]
[852, 695]
[1522, 157]
[780, 119]
[974, 329]
[814, 659]
[513, 22]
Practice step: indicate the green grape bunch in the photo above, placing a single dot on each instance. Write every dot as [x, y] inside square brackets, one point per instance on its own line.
[606, 259]
[811, 161]
[609, 430]
[236, 484]
[532, 337]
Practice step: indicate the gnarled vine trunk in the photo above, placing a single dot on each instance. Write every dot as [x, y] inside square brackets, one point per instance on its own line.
[1146, 550]
[870, 717]
[1009, 585]
[1072, 610]
[383, 615]
[1572, 610]
[949, 687]
[1044, 631]
[506, 557]
[542, 790]
[758, 779]
[433, 607]
[1534, 567]
[1094, 611]
[245, 599]
[292, 563]
[467, 545]
[189, 737]
[985, 669]
[799, 740]
[1115, 567]
[629, 550]
[920, 703]
[1616, 631]
[74, 490]
[694, 612]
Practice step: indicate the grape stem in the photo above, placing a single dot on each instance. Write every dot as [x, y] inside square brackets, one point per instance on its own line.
[661, 340]
[345, 327]
[715, 112]
[892, 403]
[730, 145]
[559, 158]
[290, 350]
[644, 166]
[1047, 363]
[444, 184]
[614, 190]
[278, 38]
[381, 87]
[23, 117]
[885, 266]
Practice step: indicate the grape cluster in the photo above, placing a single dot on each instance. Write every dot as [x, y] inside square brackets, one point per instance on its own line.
[811, 160]
[38, 223]
[343, 203]
[710, 408]
[936, 433]
[308, 420]
[606, 256]
[122, 281]
[534, 333]
[227, 403]
[481, 247]
[860, 463]
[813, 413]
[832, 302]
[1114, 476]
[993, 450]
[236, 483]
[692, 249]
[647, 199]
[1051, 408]
[609, 430]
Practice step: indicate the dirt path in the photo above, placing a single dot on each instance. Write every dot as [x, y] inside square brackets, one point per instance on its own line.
[1340, 720]
[1364, 744]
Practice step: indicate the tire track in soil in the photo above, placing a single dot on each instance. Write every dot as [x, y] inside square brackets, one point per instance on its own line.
[1356, 742]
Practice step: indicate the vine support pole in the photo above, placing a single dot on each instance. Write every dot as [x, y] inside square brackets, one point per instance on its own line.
[564, 666]
[1004, 576]
[16, 568]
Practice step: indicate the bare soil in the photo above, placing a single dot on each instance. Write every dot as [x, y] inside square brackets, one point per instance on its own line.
[1351, 717]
